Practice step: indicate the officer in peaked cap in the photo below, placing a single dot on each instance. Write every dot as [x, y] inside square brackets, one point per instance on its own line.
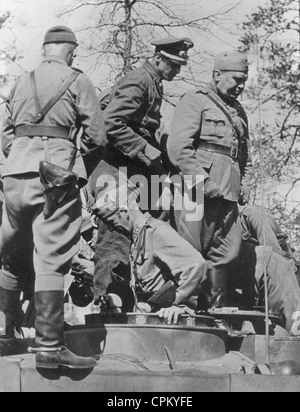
[211, 120]
[176, 50]
[133, 118]
[34, 131]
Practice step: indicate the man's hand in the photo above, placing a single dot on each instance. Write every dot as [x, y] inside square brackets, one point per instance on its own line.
[95, 221]
[212, 190]
[151, 153]
[143, 308]
[171, 315]
[152, 158]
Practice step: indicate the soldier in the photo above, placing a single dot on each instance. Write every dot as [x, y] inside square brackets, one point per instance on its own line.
[158, 254]
[132, 119]
[258, 232]
[283, 290]
[209, 140]
[41, 114]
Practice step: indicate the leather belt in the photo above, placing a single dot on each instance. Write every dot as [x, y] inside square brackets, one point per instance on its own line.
[231, 151]
[29, 130]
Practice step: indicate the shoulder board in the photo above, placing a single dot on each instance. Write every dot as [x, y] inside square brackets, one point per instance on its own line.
[77, 70]
[203, 90]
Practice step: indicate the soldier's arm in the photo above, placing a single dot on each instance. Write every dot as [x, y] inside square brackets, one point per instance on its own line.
[186, 265]
[127, 108]
[185, 134]
[91, 120]
[246, 166]
[7, 131]
[262, 231]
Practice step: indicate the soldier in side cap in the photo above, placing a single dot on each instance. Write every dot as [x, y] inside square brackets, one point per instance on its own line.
[43, 114]
[132, 119]
[209, 138]
[160, 260]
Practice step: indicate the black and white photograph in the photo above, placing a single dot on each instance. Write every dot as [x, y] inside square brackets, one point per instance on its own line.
[149, 198]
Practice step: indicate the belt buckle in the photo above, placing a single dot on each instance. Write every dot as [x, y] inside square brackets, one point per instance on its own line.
[234, 152]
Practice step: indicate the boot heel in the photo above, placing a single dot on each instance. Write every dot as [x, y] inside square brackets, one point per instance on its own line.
[51, 366]
[48, 360]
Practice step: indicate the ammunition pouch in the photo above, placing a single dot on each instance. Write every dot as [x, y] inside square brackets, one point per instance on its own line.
[165, 297]
[58, 183]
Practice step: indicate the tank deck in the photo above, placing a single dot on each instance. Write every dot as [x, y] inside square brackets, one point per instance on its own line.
[18, 374]
[144, 355]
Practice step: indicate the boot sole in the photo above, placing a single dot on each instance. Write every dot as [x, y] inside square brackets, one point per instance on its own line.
[56, 366]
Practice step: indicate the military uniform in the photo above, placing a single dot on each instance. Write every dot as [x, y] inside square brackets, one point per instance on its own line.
[20, 174]
[283, 289]
[132, 120]
[159, 254]
[209, 142]
[258, 232]
[55, 240]
[196, 120]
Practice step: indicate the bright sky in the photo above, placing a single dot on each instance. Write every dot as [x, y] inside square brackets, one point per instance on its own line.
[33, 17]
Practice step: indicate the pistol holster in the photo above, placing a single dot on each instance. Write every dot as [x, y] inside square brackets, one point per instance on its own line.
[57, 182]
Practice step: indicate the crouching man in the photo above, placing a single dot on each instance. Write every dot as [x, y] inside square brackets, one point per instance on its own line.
[158, 255]
[283, 290]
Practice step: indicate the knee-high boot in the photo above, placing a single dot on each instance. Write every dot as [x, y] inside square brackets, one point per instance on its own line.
[9, 303]
[215, 297]
[51, 352]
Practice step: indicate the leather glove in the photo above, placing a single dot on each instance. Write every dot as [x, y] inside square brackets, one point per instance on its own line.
[212, 190]
[244, 197]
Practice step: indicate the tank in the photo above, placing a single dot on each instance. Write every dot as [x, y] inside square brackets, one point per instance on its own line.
[141, 353]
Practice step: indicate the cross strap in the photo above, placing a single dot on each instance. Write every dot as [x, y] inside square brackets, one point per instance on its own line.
[225, 111]
[43, 111]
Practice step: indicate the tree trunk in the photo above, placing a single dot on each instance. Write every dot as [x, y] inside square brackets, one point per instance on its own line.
[128, 36]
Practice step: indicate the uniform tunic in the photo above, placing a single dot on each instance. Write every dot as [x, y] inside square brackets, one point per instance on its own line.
[78, 106]
[268, 232]
[198, 119]
[132, 119]
[55, 240]
[159, 254]
[283, 289]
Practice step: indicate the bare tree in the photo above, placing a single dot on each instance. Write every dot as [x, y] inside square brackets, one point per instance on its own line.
[118, 32]
[8, 51]
[271, 35]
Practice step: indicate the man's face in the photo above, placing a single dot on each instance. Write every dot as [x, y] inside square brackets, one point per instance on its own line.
[231, 84]
[168, 69]
[120, 221]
